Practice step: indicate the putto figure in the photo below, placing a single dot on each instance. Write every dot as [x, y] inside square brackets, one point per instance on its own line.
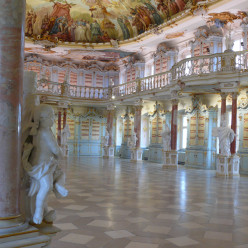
[226, 136]
[40, 161]
[106, 139]
[166, 136]
[132, 140]
[65, 134]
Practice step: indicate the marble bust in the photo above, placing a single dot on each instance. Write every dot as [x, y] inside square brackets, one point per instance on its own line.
[41, 162]
[166, 136]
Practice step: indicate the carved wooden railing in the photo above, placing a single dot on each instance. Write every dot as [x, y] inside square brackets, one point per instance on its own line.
[184, 70]
[72, 91]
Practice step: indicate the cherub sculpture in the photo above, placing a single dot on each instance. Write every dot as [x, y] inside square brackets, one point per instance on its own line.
[106, 139]
[166, 136]
[40, 161]
[131, 143]
[226, 136]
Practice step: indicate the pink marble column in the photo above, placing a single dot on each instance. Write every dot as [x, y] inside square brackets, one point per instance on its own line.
[174, 125]
[223, 104]
[110, 121]
[137, 124]
[59, 128]
[12, 15]
[234, 121]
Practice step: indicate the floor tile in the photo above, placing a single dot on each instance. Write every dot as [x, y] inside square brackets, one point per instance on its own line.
[183, 241]
[218, 235]
[119, 234]
[77, 238]
[141, 245]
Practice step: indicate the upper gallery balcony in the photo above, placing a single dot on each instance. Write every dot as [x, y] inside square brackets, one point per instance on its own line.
[203, 73]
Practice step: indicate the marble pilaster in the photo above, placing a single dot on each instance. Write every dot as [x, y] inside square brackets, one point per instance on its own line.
[137, 152]
[171, 157]
[11, 80]
[14, 229]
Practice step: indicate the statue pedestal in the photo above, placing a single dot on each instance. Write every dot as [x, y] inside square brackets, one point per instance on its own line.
[227, 166]
[136, 154]
[109, 152]
[170, 160]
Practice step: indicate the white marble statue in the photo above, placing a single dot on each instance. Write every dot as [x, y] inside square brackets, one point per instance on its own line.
[65, 134]
[229, 42]
[131, 142]
[40, 161]
[226, 136]
[166, 136]
[106, 139]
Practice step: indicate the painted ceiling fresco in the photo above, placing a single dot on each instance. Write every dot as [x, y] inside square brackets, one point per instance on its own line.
[95, 21]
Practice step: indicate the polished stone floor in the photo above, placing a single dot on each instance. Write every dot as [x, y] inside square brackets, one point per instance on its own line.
[119, 204]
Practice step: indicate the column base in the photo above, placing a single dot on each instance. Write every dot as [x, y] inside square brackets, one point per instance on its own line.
[136, 155]
[29, 237]
[170, 160]
[227, 166]
[109, 152]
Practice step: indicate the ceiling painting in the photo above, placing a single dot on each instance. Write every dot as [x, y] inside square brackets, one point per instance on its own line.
[98, 21]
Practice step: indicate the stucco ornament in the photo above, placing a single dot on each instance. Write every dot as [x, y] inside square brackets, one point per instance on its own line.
[132, 140]
[166, 136]
[40, 161]
[226, 136]
[65, 134]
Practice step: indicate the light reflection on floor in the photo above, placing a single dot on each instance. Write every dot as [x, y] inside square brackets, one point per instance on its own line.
[119, 204]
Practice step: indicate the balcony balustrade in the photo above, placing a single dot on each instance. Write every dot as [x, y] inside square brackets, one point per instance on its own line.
[200, 66]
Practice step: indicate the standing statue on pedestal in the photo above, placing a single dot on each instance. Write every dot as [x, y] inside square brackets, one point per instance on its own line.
[40, 161]
[106, 139]
[131, 143]
[166, 136]
[65, 134]
[226, 136]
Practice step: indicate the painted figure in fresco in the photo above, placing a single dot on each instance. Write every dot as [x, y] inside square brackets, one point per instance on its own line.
[80, 32]
[128, 25]
[157, 18]
[173, 8]
[95, 31]
[62, 10]
[125, 31]
[88, 32]
[138, 22]
[162, 7]
[180, 4]
[109, 27]
[166, 136]
[30, 20]
[57, 26]
[40, 161]
[226, 136]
